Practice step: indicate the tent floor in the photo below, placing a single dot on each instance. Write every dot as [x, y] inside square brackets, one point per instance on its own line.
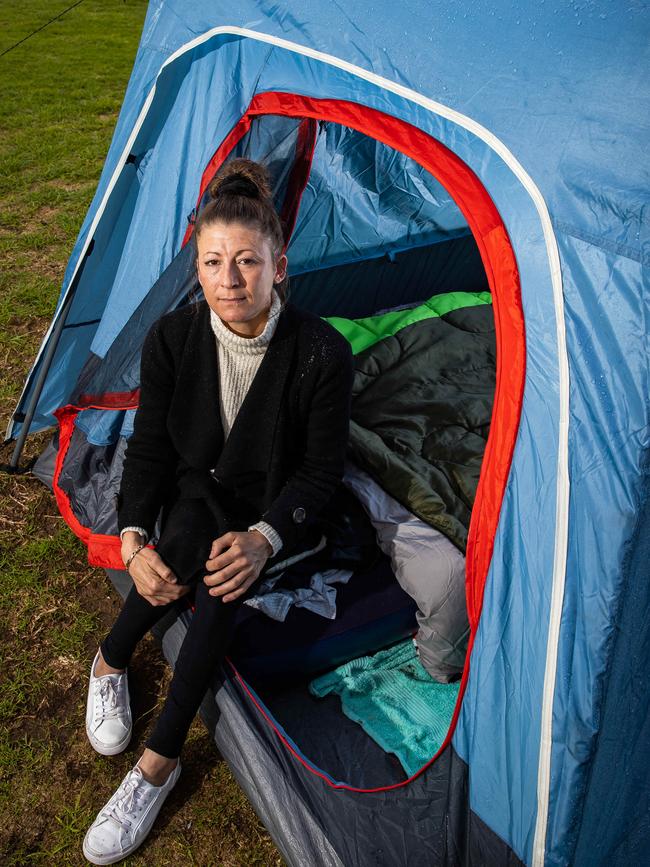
[325, 736]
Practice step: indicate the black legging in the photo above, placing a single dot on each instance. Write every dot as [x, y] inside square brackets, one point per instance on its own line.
[205, 645]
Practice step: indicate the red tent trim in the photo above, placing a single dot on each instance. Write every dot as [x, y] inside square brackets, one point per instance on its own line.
[502, 273]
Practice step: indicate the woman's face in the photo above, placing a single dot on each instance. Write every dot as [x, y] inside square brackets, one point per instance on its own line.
[237, 271]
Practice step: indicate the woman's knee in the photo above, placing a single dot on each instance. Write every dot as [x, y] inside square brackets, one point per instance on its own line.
[213, 607]
[202, 596]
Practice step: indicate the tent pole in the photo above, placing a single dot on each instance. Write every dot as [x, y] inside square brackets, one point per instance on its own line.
[40, 382]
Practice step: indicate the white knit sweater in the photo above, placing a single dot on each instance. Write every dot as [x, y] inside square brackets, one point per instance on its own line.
[239, 361]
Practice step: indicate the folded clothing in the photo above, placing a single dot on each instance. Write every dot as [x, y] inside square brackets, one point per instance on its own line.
[396, 702]
[319, 597]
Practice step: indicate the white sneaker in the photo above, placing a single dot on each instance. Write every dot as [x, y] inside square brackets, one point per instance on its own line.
[124, 822]
[108, 712]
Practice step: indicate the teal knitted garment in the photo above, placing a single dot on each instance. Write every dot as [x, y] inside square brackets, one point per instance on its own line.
[395, 701]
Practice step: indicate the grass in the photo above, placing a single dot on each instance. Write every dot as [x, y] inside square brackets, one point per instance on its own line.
[61, 93]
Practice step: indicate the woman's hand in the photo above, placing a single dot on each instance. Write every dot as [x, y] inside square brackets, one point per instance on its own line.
[152, 578]
[235, 562]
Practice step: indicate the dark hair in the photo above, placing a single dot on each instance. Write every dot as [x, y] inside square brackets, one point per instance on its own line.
[241, 193]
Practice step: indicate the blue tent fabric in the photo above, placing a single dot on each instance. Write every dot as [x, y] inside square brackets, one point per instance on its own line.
[620, 765]
[550, 107]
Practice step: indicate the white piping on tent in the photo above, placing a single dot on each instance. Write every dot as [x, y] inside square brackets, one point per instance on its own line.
[562, 501]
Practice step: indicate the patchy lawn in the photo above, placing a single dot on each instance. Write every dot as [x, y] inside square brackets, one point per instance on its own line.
[61, 92]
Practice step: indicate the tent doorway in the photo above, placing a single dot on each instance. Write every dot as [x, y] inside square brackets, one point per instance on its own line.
[430, 226]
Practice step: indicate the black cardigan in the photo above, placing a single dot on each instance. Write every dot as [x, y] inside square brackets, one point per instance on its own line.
[285, 453]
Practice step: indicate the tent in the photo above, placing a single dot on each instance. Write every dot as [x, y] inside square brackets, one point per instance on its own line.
[466, 142]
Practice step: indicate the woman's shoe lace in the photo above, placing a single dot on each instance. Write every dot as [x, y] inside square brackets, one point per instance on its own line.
[122, 809]
[109, 696]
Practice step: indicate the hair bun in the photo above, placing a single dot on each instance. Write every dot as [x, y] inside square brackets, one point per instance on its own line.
[241, 177]
[238, 185]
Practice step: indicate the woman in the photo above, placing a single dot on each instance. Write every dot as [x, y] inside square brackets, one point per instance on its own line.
[240, 439]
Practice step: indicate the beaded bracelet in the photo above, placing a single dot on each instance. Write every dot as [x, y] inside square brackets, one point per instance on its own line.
[135, 551]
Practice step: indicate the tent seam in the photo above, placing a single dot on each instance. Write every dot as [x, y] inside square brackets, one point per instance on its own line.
[622, 250]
